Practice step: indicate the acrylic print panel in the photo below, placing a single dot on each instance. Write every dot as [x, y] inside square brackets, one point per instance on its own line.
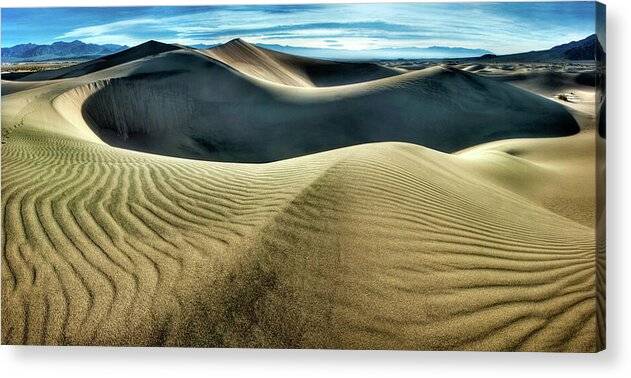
[415, 176]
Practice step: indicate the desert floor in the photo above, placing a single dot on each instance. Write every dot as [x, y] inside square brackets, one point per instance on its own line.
[276, 201]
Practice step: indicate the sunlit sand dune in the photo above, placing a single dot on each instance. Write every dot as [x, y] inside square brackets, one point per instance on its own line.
[295, 70]
[365, 245]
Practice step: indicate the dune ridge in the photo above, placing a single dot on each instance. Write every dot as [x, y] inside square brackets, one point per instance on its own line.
[143, 50]
[295, 70]
[380, 245]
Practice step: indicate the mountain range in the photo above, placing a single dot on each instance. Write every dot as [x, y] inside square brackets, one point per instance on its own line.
[30, 52]
[588, 48]
[432, 52]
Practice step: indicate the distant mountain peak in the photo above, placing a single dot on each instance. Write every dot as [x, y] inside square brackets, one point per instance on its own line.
[432, 52]
[588, 48]
[59, 50]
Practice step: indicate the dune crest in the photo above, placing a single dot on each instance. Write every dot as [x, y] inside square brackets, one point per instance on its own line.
[295, 70]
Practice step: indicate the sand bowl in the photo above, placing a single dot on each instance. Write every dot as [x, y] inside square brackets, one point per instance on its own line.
[184, 104]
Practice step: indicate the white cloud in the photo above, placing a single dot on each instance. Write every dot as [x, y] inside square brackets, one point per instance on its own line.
[101, 30]
[405, 26]
[119, 39]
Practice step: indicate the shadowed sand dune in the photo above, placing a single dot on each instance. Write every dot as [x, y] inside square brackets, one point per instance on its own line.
[184, 104]
[379, 245]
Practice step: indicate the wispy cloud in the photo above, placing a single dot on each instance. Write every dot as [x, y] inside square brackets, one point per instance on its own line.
[502, 28]
[97, 30]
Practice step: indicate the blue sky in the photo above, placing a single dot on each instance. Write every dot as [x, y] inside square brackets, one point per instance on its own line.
[498, 27]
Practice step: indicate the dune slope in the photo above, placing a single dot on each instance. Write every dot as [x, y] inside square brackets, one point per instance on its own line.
[376, 246]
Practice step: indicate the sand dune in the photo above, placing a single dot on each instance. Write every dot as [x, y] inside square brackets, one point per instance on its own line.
[551, 83]
[541, 169]
[378, 245]
[141, 51]
[547, 80]
[12, 86]
[295, 70]
[182, 104]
